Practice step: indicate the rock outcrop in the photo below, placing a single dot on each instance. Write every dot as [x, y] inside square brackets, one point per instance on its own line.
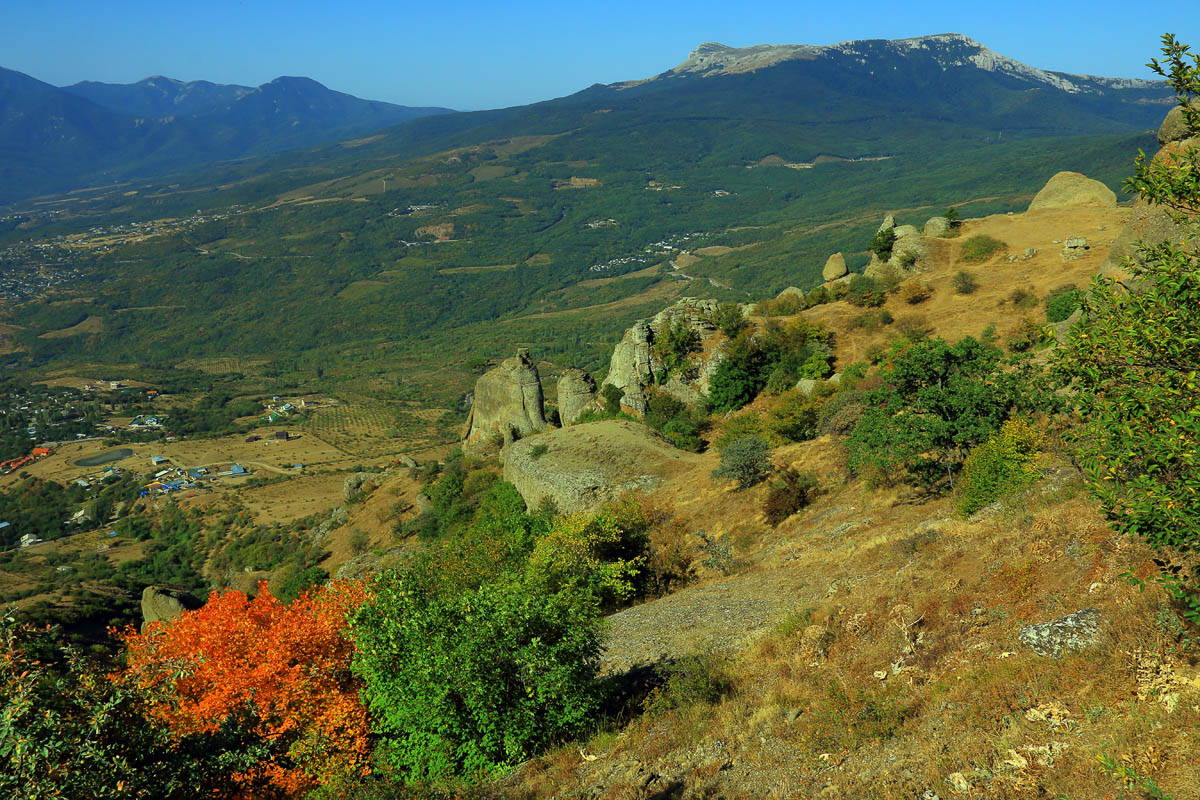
[1151, 224]
[576, 392]
[508, 405]
[1071, 189]
[835, 268]
[1073, 632]
[634, 364]
[583, 466]
[163, 604]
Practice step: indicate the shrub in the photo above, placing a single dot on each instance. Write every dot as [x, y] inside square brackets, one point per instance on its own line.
[871, 321]
[612, 398]
[913, 327]
[730, 319]
[964, 282]
[599, 554]
[953, 217]
[738, 427]
[980, 247]
[936, 401]
[790, 491]
[538, 450]
[1062, 302]
[688, 681]
[882, 242]
[677, 341]
[914, 292]
[1000, 466]
[1026, 336]
[817, 297]
[864, 292]
[841, 412]
[287, 663]
[745, 460]
[1023, 299]
[794, 418]
[471, 683]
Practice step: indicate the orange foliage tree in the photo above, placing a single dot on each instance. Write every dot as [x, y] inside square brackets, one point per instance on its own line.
[288, 663]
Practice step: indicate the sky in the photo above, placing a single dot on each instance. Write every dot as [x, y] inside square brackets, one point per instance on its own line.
[470, 54]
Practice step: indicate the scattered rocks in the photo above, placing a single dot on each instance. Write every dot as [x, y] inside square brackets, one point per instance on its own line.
[1071, 189]
[835, 268]
[1052, 639]
[1074, 247]
[163, 604]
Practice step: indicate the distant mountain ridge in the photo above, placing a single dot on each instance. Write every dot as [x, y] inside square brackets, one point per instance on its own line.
[947, 49]
[61, 138]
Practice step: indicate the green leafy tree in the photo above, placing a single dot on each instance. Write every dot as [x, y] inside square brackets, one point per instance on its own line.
[936, 401]
[882, 242]
[730, 319]
[746, 460]
[1134, 362]
[470, 683]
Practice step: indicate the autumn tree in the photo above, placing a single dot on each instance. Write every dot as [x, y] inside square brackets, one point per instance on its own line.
[287, 663]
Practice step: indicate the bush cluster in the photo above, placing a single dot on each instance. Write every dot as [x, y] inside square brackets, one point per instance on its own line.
[746, 460]
[998, 467]
[790, 491]
[1062, 302]
[778, 357]
[980, 247]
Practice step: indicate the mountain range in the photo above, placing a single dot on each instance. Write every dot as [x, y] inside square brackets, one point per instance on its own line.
[64, 138]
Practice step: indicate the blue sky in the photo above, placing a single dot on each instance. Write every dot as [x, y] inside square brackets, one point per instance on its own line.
[469, 54]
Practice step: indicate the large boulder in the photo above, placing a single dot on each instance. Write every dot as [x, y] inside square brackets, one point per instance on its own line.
[633, 359]
[508, 404]
[581, 467]
[1071, 189]
[576, 391]
[938, 226]
[909, 249]
[1053, 639]
[163, 604]
[1151, 224]
[1174, 128]
[835, 268]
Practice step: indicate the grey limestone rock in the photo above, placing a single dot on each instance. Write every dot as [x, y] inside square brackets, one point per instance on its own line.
[163, 604]
[576, 391]
[354, 482]
[1072, 189]
[1073, 632]
[937, 226]
[835, 268]
[508, 404]
[1174, 128]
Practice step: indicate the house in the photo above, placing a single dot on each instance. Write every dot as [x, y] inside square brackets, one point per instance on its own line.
[237, 469]
[284, 435]
[29, 540]
[41, 452]
[156, 460]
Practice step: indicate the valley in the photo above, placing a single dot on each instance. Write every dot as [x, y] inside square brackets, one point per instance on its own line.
[801, 421]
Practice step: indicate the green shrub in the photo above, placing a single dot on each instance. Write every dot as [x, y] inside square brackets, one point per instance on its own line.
[915, 291]
[612, 398]
[69, 730]
[980, 247]
[794, 418]
[1026, 336]
[472, 683]
[672, 418]
[913, 327]
[729, 319]
[841, 412]
[1000, 466]
[1062, 302]
[817, 297]
[676, 343]
[739, 427]
[964, 282]
[1023, 299]
[601, 554]
[789, 492]
[864, 292]
[745, 460]
[538, 450]
[689, 681]
[936, 401]
[882, 242]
